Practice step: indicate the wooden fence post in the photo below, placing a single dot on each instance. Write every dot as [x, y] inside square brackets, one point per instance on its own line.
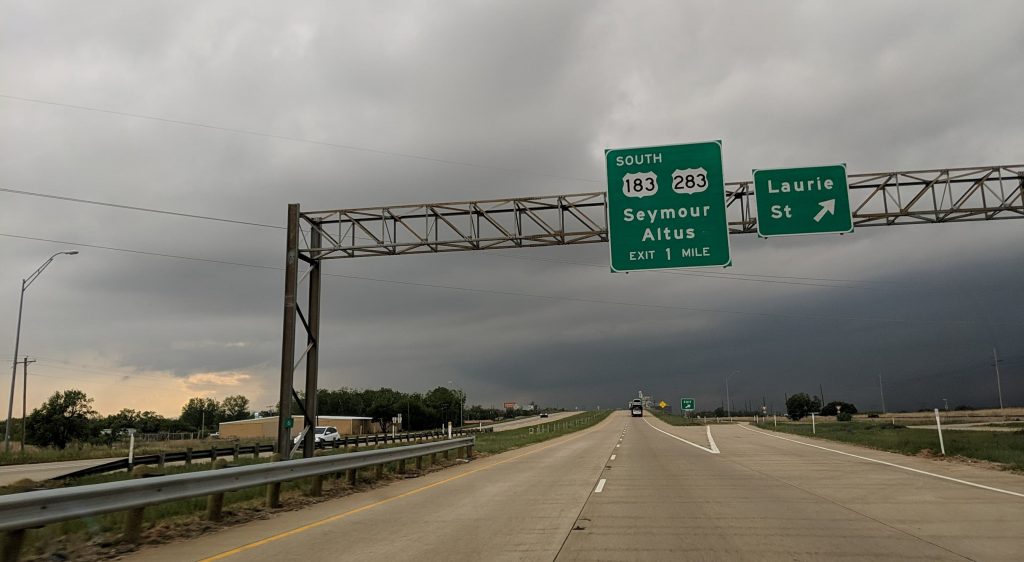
[215, 502]
[274, 489]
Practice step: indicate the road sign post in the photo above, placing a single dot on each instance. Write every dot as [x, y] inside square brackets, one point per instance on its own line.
[666, 207]
[792, 201]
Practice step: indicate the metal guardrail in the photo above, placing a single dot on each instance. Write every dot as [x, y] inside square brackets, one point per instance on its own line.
[34, 509]
[214, 453]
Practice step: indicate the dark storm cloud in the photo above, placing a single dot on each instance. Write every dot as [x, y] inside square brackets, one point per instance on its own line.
[526, 95]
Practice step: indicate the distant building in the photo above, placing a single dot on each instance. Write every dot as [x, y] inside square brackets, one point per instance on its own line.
[266, 428]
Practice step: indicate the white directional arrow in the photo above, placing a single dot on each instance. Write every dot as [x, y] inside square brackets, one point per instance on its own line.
[826, 207]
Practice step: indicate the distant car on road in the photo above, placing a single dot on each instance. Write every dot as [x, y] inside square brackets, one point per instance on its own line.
[543, 415]
[324, 434]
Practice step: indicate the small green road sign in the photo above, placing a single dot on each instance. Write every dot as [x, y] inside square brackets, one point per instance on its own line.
[793, 201]
[288, 423]
[687, 404]
[666, 207]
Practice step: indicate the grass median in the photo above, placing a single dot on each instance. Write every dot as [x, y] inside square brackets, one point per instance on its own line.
[1005, 448]
[674, 419]
[500, 441]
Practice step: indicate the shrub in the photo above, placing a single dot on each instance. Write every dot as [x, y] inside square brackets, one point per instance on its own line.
[844, 417]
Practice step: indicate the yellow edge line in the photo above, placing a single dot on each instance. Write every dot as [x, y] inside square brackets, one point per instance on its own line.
[333, 518]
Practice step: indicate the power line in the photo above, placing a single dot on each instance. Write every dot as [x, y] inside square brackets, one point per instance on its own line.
[299, 139]
[140, 252]
[133, 208]
[511, 293]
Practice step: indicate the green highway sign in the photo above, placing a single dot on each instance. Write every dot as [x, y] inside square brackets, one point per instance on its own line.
[687, 404]
[666, 207]
[794, 201]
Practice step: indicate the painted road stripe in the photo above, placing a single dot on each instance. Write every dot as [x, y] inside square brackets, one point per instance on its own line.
[894, 465]
[600, 486]
[617, 445]
[611, 459]
[713, 449]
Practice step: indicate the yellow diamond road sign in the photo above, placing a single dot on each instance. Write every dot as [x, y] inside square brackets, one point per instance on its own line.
[662, 404]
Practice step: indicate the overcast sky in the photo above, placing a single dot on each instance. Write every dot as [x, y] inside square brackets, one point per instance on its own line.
[254, 105]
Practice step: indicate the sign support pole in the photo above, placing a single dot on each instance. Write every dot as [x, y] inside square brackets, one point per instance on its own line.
[291, 281]
[313, 341]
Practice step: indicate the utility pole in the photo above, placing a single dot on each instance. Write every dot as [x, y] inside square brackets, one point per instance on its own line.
[881, 391]
[24, 399]
[999, 385]
[821, 394]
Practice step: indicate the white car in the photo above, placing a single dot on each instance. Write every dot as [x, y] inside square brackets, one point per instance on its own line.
[323, 434]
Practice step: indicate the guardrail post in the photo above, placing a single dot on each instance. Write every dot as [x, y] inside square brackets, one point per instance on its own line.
[236, 452]
[469, 451]
[446, 454]
[256, 451]
[351, 475]
[274, 490]
[188, 456]
[160, 460]
[433, 458]
[401, 466]
[379, 471]
[133, 519]
[215, 502]
[13, 541]
[419, 464]
[316, 489]
[213, 454]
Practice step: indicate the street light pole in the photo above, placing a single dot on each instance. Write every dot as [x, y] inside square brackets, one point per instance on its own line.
[25, 283]
[999, 385]
[728, 401]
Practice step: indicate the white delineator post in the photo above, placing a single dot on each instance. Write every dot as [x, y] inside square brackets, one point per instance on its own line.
[938, 424]
[131, 449]
[814, 428]
[775, 420]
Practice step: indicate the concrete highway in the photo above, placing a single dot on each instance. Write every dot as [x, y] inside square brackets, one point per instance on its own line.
[635, 489]
[45, 470]
[531, 421]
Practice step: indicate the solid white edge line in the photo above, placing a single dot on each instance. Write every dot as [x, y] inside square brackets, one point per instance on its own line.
[711, 440]
[713, 450]
[894, 465]
[600, 485]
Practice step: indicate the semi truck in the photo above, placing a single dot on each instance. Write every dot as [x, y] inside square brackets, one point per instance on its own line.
[636, 408]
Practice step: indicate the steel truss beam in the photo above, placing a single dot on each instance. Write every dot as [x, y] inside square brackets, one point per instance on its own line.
[878, 199]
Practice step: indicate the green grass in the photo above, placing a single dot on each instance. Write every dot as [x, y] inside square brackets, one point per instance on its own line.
[675, 419]
[500, 441]
[1004, 447]
[80, 451]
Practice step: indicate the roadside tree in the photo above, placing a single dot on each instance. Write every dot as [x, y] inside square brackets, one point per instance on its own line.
[64, 417]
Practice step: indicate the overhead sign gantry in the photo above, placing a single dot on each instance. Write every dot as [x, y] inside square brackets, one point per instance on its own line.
[982, 193]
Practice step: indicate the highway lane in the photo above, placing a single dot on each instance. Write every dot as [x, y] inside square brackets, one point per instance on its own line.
[518, 505]
[531, 421]
[764, 498]
[625, 491]
[45, 470]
